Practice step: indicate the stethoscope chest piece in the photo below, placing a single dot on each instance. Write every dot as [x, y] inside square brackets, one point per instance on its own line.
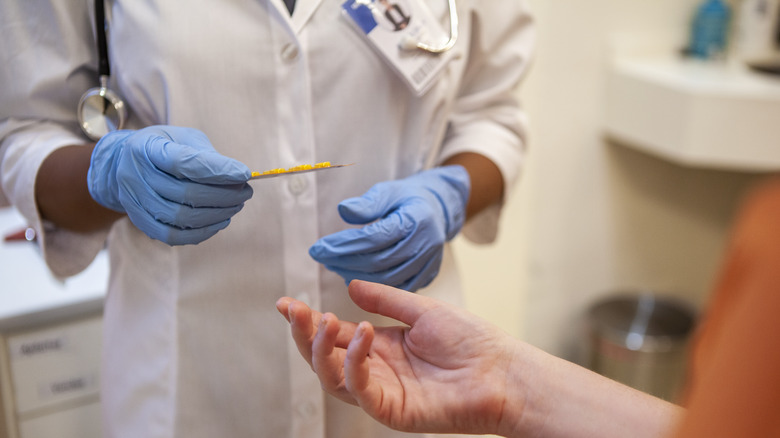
[101, 111]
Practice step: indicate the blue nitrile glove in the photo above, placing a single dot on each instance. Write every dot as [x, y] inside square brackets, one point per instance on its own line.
[414, 217]
[170, 181]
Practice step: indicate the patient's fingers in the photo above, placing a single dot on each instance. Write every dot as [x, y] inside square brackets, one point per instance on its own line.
[282, 304]
[357, 369]
[304, 322]
[327, 359]
[389, 301]
[302, 327]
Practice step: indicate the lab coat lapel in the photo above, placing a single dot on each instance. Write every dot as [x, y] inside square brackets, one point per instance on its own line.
[303, 11]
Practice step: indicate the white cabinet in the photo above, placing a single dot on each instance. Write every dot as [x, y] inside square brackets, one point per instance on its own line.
[53, 379]
[76, 422]
[50, 343]
[693, 113]
[55, 365]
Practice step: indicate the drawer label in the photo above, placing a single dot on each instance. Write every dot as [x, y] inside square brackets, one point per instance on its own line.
[35, 347]
[67, 386]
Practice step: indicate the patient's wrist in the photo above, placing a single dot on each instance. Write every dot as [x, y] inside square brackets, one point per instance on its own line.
[524, 413]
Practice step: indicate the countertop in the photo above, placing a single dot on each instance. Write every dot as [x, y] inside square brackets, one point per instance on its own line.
[30, 295]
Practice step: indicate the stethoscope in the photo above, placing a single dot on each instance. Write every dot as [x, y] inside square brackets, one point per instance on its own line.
[409, 43]
[101, 110]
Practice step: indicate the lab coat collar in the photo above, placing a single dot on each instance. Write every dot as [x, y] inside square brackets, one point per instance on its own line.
[303, 11]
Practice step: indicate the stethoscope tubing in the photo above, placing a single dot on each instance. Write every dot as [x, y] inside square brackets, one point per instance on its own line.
[104, 69]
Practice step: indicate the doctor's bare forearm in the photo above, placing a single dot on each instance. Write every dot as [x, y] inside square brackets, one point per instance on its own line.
[487, 183]
[62, 195]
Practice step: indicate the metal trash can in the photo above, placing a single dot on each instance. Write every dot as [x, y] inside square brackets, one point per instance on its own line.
[640, 339]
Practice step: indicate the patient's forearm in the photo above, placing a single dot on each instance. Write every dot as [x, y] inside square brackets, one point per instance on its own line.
[562, 399]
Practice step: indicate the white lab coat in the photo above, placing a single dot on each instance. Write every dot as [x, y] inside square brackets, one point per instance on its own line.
[193, 345]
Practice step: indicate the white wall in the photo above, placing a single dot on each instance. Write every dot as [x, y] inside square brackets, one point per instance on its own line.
[592, 217]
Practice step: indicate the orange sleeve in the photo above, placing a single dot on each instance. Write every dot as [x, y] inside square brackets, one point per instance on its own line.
[734, 387]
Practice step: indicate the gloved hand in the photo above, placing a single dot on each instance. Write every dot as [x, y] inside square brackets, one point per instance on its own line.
[414, 217]
[170, 181]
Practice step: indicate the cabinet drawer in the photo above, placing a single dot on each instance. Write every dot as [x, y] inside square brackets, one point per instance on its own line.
[78, 422]
[55, 364]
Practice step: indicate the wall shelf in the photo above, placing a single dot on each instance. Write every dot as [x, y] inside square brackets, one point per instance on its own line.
[695, 113]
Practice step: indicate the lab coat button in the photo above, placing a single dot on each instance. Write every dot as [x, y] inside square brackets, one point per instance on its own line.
[297, 185]
[289, 52]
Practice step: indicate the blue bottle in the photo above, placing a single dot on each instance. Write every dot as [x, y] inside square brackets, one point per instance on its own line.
[710, 29]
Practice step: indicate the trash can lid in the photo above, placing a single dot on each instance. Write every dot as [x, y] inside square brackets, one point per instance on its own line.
[642, 321]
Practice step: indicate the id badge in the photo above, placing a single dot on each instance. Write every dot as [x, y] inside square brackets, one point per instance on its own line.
[386, 24]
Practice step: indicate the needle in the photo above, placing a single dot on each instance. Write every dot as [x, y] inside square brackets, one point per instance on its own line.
[296, 169]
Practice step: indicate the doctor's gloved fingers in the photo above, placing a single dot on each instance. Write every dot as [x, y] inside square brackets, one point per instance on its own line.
[425, 277]
[410, 276]
[179, 134]
[369, 239]
[378, 201]
[174, 214]
[382, 260]
[405, 257]
[172, 235]
[195, 194]
[197, 163]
